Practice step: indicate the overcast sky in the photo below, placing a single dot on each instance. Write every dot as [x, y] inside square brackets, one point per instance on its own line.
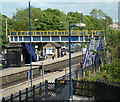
[8, 7]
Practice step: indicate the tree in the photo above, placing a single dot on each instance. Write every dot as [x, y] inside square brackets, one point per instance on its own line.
[94, 13]
[3, 38]
[112, 48]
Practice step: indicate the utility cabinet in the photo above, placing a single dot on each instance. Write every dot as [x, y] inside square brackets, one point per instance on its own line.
[15, 57]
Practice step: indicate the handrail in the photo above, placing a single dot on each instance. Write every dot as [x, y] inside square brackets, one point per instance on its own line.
[56, 32]
[30, 50]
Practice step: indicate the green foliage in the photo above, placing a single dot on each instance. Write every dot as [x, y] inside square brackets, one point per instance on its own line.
[113, 70]
[53, 19]
[113, 46]
[3, 38]
[113, 43]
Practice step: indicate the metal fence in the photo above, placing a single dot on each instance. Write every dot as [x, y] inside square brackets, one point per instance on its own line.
[42, 91]
[101, 91]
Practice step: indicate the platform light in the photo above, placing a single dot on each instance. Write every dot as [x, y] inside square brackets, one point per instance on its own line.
[80, 25]
[31, 75]
[70, 60]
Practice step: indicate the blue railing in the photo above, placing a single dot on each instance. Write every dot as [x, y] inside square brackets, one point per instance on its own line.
[85, 55]
[98, 49]
[31, 51]
[90, 57]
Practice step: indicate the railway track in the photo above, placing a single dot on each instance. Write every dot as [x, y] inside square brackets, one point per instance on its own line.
[16, 78]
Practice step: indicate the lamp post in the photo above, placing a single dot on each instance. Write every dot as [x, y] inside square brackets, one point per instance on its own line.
[30, 74]
[6, 29]
[104, 39]
[35, 24]
[81, 20]
[70, 60]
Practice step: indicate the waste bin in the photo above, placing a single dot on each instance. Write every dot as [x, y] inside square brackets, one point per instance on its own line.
[4, 63]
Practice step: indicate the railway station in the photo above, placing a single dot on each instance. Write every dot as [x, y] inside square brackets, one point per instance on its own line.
[55, 55]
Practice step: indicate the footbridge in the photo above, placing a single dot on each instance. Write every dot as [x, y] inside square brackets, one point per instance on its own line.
[53, 36]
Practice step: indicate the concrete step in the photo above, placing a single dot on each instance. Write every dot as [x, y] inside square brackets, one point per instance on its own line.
[82, 98]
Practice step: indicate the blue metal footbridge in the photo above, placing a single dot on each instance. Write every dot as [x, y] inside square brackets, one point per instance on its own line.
[53, 36]
[91, 54]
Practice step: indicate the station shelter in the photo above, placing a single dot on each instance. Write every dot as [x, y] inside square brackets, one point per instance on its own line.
[52, 49]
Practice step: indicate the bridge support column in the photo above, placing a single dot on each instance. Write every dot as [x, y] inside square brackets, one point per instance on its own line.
[83, 74]
[89, 73]
[99, 69]
[94, 72]
[78, 76]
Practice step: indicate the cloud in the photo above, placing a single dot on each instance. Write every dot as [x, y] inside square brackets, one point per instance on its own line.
[60, 0]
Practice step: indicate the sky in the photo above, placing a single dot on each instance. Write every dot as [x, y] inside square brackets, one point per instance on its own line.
[110, 7]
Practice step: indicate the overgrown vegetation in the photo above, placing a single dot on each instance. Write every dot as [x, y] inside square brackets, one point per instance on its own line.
[111, 70]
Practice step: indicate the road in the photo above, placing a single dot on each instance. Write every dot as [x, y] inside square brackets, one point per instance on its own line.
[50, 77]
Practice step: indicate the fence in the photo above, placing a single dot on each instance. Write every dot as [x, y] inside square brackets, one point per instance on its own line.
[78, 72]
[101, 91]
[42, 91]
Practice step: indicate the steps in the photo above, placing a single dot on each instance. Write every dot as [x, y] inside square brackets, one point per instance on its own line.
[91, 56]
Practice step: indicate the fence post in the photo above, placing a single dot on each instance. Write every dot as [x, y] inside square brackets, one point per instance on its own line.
[56, 84]
[26, 94]
[11, 97]
[46, 88]
[19, 95]
[3, 99]
[40, 88]
[33, 93]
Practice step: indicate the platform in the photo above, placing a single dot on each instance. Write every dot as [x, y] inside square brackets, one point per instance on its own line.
[13, 70]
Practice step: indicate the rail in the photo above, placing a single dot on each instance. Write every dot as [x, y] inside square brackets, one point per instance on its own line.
[57, 33]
